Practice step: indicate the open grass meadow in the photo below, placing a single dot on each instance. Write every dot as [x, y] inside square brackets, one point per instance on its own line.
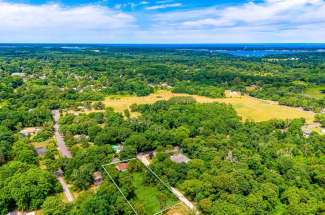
[247, 107]
[317, 92]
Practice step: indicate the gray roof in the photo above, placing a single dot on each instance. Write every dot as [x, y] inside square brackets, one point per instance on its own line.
[179, 158]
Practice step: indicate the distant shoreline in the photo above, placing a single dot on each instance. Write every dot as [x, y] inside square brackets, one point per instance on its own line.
[234, 49]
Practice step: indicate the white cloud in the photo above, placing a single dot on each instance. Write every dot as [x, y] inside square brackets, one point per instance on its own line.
[143, 3]
[42, 23]
[250, 14]
[267, 21]
[163, 6]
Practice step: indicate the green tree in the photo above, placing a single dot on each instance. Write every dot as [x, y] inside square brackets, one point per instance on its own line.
[53, 205]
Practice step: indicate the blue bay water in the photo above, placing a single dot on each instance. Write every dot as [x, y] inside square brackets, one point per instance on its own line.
[244, 50]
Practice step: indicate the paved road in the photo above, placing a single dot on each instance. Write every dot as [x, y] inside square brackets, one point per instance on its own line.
[64, 151]
[66, 190]
[178, 194]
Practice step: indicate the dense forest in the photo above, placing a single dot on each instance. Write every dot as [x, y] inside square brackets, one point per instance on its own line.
[235, 167]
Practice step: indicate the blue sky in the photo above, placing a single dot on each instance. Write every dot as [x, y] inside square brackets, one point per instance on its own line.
[162, 21]
[138, 5]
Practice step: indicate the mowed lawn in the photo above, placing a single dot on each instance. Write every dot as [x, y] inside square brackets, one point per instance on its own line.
[316, 92]
[149, 195]
[247, 107]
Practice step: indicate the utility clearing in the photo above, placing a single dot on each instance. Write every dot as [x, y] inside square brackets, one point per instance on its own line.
[249, 108]
[152, 195]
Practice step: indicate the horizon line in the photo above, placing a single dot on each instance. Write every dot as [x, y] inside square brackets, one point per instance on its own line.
[239, 43]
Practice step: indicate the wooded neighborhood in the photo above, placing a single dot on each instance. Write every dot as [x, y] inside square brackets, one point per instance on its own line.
[208, 132]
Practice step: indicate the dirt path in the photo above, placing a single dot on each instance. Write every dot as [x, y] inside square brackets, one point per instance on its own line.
[183, 199]
[64, 151]
[143, 158]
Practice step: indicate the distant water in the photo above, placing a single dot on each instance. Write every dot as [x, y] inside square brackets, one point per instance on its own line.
[263, 53]
[245, 50]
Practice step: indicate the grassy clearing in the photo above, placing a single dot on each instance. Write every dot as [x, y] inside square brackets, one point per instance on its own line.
[149, 195]
[39, 212]
[179, 210]
[40, 144]
[247, 107]
[316, 92]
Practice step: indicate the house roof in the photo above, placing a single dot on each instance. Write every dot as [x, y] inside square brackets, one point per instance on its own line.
[29, 131]
[41, 150]
[179, 158]
[122, 166]
[97, 175]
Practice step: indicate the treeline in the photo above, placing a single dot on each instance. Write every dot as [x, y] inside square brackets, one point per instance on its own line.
[290, 96]
[196, 89]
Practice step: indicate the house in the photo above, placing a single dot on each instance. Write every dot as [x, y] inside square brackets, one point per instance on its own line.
[306, 132]
[18, 74]
[40, 151]
[232, 94]
[122, 167]
[151, 154]
[165, 86]
[80, 137]
[29, 131]
[21, 213]
[179, 158]
[58, 173]
[98, 178]
[230, 157]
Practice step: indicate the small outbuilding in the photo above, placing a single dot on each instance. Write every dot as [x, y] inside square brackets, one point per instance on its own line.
[98, 178]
